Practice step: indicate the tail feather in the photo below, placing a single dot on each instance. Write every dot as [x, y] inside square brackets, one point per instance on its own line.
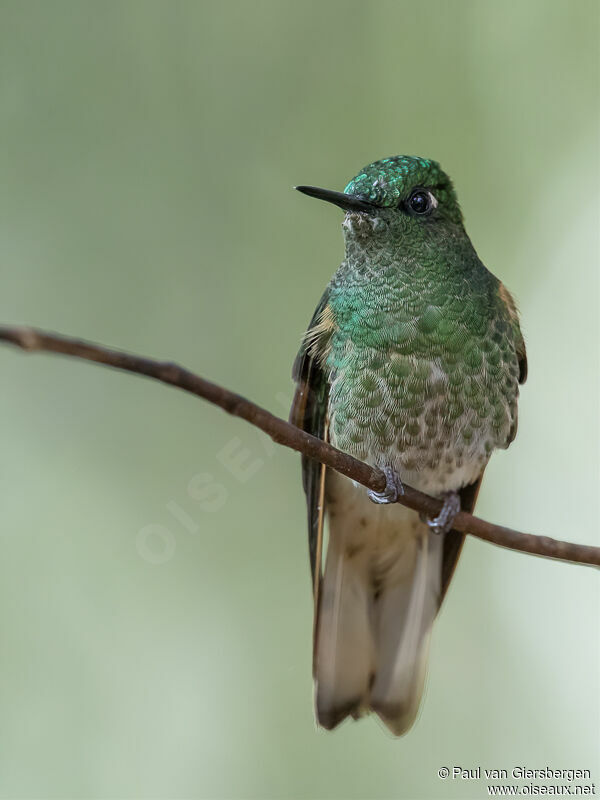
[405, 615]
[343, 637]
[379, 595]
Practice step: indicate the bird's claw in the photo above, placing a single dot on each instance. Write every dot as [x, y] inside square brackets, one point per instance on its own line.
[393, 489]
[445, 519]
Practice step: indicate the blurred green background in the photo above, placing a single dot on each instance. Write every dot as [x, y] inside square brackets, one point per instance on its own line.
[155, 608]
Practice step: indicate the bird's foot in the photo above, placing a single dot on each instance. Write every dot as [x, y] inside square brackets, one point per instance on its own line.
[445, 519]
[393, 488]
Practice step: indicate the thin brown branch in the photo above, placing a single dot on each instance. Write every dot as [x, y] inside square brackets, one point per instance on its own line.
[288, 435]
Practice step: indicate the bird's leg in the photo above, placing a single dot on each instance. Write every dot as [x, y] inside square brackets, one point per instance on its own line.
[393, 488]
[444, 520]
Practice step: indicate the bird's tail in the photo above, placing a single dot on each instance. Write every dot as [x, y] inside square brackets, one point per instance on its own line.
[375, 613]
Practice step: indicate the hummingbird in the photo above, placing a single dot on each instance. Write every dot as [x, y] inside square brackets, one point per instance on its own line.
[412, 363]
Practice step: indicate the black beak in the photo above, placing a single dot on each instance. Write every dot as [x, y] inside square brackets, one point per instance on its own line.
[349, 202]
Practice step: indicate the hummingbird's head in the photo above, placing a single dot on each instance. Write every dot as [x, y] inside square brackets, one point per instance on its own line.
[395, 197]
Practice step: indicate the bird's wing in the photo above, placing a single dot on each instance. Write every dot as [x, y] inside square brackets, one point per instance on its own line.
[513, 315]
[454, 540]
[519, 342]
[522, 356]
[309, 412]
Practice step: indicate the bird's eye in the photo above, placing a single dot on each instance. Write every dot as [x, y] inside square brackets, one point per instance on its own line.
[421, 202]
